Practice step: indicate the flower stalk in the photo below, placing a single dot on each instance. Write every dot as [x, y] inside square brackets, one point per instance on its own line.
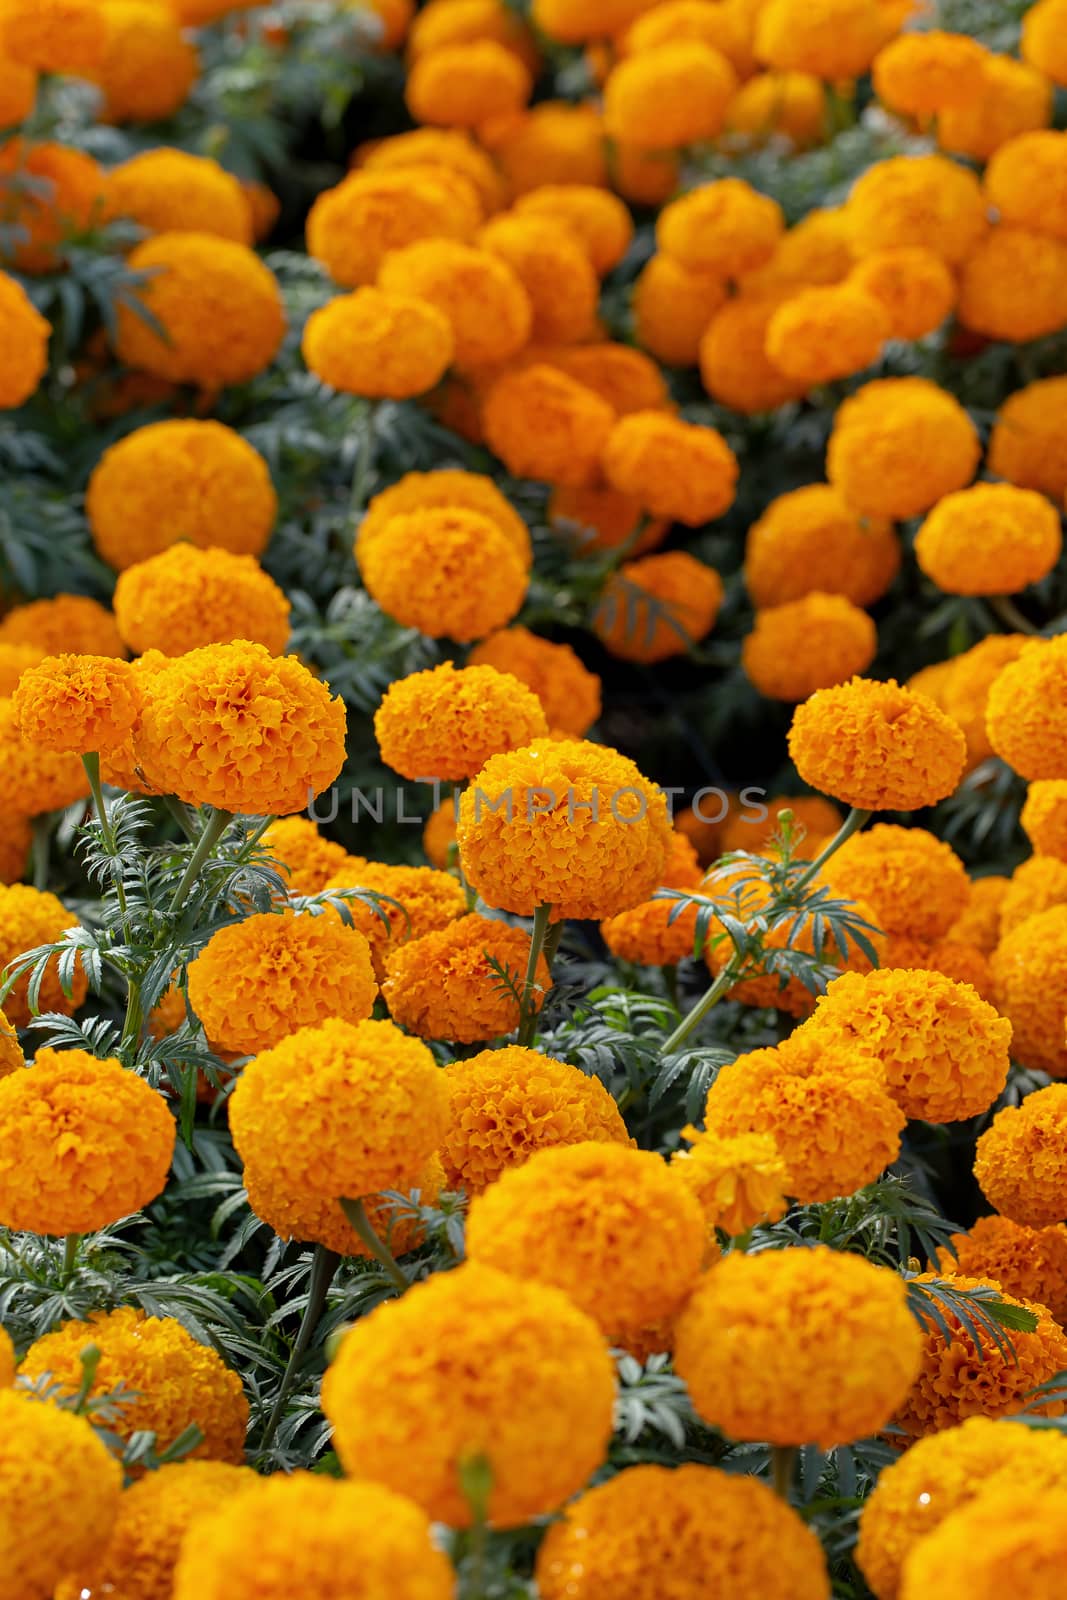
[356, 1213]
[528, 1011]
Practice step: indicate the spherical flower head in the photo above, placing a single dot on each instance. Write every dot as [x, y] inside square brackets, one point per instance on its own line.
[815, 251]
[67, 36]
[1044, 817]
[568, 692]
[672, 306]
[776, 105]
[1026, 182]
[831, 39]
[944, 1049]
[1043, 40]
[809, 540]
[314, 1220]
[599, 220]
[440, 147]
[466, 22]
[176, 1380]
[626, 378]
[1015, 100]
[353, 227]
[219, 307]
[446, 724]
[412, 901]
[49, 191]
[75, 703]
[181, 482]
[610, 1226]
[979, 924]
[14, 659]
[569, 824]
[738, 1181]
[965, 695]
[1028, 982]
[482, 297]
[34, 779]
[24, 336]
[1021, 1165]
[917, 200]
[673, 95]
[725, 227]
[183, 599]
[915, 884]
[1027, 443]
[165, 190]
[463, 85]
[303, 858]
[1028, 1262]
[658, 606]
[812, 643]
[991, 303]
[646, 934]
[65, 622]
[1026, 713]
[798, 1346]
[544, 424]
[1008, 1535]
[233, 727]
[1037, 884]
[553, 268]
[426, 1384]
[364, 1108]
[450, 573]
[963, 963]
[914, 287]
[651, 1531]
[383, 346]
[825, 333]
[145, 75]
[60, 1490]
[28, 918]
[923, 74]
[11, 1057]
[445, 490]
[734, 366]
[936, 1476]
[676, 469]
[447, 984]
[898, 445]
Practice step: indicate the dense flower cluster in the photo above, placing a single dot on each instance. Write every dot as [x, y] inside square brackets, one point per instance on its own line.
[1020, 1163]
[446, 724]
[182, 599]
[463, 982]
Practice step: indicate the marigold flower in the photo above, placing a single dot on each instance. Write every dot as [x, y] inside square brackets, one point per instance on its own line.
[813, 818]
[440, 147]
[816, 250]
[147, 68]
[672, 307]
[677, 469]
[963, 963]
[645, 933]
[1043, 39]
[219, 306]
[48, 191]
[734, 366]
[24, 336]
[831, 39]
[18, 92]
[352, 228]
[725, 28]
[1026, 183]
[671, 96]
[898, 445]
[302, 855]
[554, 142]
[553, 268]
[183, 599]
[459, 1347]
[67, 36]
[313, 1220]
[176, 1380]
[1021, 1163]
[1030, 990]
[1028, 1262]
[544, 424]
[913, 285]
[650, 1527]
[990, 300]
[165, 190]
[446, 724]
[28, 918]
[659, 606]
[482, 297]
[449, 22]
[66, 622]
[798, 1346]
[463, 85]
[1014, 100]
[450, 573]
[34, 779]
[568, 692]
[597, 519]
[780, 104]
[442, 986]
[598, 220]
[809, 540]
[808, 644]
[575, 21]
[923, 74]
[739, 1181]
[944, 1049]
[427, 901]
[60, 1491]
[1009, 1534]
[445, 489]
[11, 1057]
[77, 703]
[993, 538]
[383, 346]
[1036, 885]
[826, 333]
[915, 884]
[725, 227]
[979, 923]
[1028, 445]
[1025, 719]
[1044, 818]
[917, 200]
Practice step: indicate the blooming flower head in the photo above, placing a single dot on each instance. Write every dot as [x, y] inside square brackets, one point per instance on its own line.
[1010, 1534]
[303, 857]
[830, 38]
[14, 659]
[827, 332]
[181, 482]
[446, 22]
[1028, 1262]
[315, 1220]
[176, 1380]
[185, 598]
[24, 336]
[650, 1530]
[812, 643]
[817, 250]
[971, 675]
[798, 1346]
[979, 923]
[725, 227]
[544, 424]
[444, 490]
[1015, 99]
[569, 824]
[450, 573]
[33, 778]
[1037, 884]
[1021, 1163]
[738, 1181]
[991, 302]
[1027, 445]
[734, 365]
[414, 901]
[1043, 41]
[599, 220]
[66, 36]
[672, 95]
[1028, 979]
[77, 703]
[66, 622]
[446, 984]
[462, 85]
[11, 1057]
[569, 693]
[553, 268]
[472, 1364]
[446, 724]
[647, 933]
[482, 297]
[231, 726]
[675, 468]
[1026, 182]
[48, 191]
[353, 227]
[912, 284]
[923, 74]
[772, 105]
[658, 606]
[1026, 718]
[164, 190]
[442, 147]
[898, 445]
[915, 883]
[506, 1104]
[145, 75]
[809, 541]
[672, 306]
[917, 200]
[1044, 817]
[382, 346]
[28, 918]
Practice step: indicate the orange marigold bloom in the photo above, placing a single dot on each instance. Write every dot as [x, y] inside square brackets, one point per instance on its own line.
[66, 622]
[352, 227]
[922, 74]
[1043, 41]
[738, 1182]
[671, 96]
[598, 220]
[990, 539]
[463, 85]
[808, 644]
[444, 490]
[809, 540]
[917, 200]
[1044, 818]
[543, 424]
[813, 816]
[427, 900]
[11, 1057]
[979, 924]
[567, 690]
[944, 1049]
[148, 67]
[166, 189]
[1012, 1534]
[439, 836]
[915, 884]
[726, 28]
[575, 21]
[442, 986]
[446, 724]
[1036, 885]
[831, 39]
[597, 519]
[383, 346]
[554, 269]
[1030, 980]
[913, 286]
[554, 142]
[963, 963]
[646, 934]
[1015, 99]
[233, 727]
[1026, 182]
[826, 333]
[48, 191]
[450, 22]
[798, 1346]
[18, 92]
[658, 607]
[24, 336]
[1028, 1262]
[777, 104]
[1026, 714]
[569, 824]
[28, 918]
[450, 573]
[313, 1220]
[184, 598]
[877, 746]
[438, 147]
[677, 469]
[672, 307]
[645, 177]
[482, 297]
[77, 703]
[67, 36]
[734, 366]
[1021, 1162]
[121, 766]
[816, 250]
[990, 299]
[219, 306]
[34, 778]
[184, 482]
[898, 445]
[303, 856]
[1028, 445]
[725, 227]
[622, 376]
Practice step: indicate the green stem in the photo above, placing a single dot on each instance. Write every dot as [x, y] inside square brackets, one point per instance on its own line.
[361, 476]
[134, 1019]
[181, 814]
[476, 1481]
[1004, 607]
[214, 828]
[70, 1255]
[356, 1213]
[723, 983]
[528, 1012]
[783, 1465]
[91, 763]
[855, 820]
[324, 1264]
[553, 939]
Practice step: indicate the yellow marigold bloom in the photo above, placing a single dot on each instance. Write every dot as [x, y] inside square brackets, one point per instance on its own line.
[898, 445]
[446, 724]
[233, 727]
[47, 191]
[1036, 885]
[917, 200]
[442, 986]
[959, 1379]
[60, 1490]
[570, 824]
[154, 1513]
[554, 142]
[313, 1220]
[963, 963]
[877, 745]
[913, 285]
[1021, 1162]
[121, 766]
[658, 607]
[67, 36]
[734, 366]
[1028, 445]
[176, 1380]
[650, 1530]
[11, 1057]
[351, 228]
[726, 28]
[809, 540]
[429, 900]
[826, 333]
[1028, 1262]
[304, 858]
[185, 598]
[1044, 818]
[1026, 183]
[677, 469]
[1043, 41]
[450, 573]
[301, 1533]
[482, 297]
[174, 482]
[439, 147]
[1014, 100]
[936, 1475]
[1030, 989]
[915, 884]
[86, 1142]
[147, 68]
[445, 489]
[259, 980]
[823, 1103]
[808, 644]
[219, 306]
[506, 1104]
[923, 74]
[464, 85]
[610, 1226]
[383, 346]
[33, 778]
[1010, 1535]
[993, 538]
[798, 1346]
[569, 693]
[831, 39]
[363, 1108]
[598, 220]
[990, 299]
[776, 104]
[24, 336]
[28, 918]
[627, 379]
[77, 703]
[18, 92]
[672, 307]
[646, 934]
[725, 227]
[979, 923]
[66, 622]
[673, 95]
[166, 189]
[544, 424]
[944, 1049]
[816, 250]
[555, 270]
[1026, 719]
[738, 1181]
[575, 21]
[450, 22]
[596, 519]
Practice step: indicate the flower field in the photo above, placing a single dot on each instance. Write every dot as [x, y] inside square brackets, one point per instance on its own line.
[533, 768]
